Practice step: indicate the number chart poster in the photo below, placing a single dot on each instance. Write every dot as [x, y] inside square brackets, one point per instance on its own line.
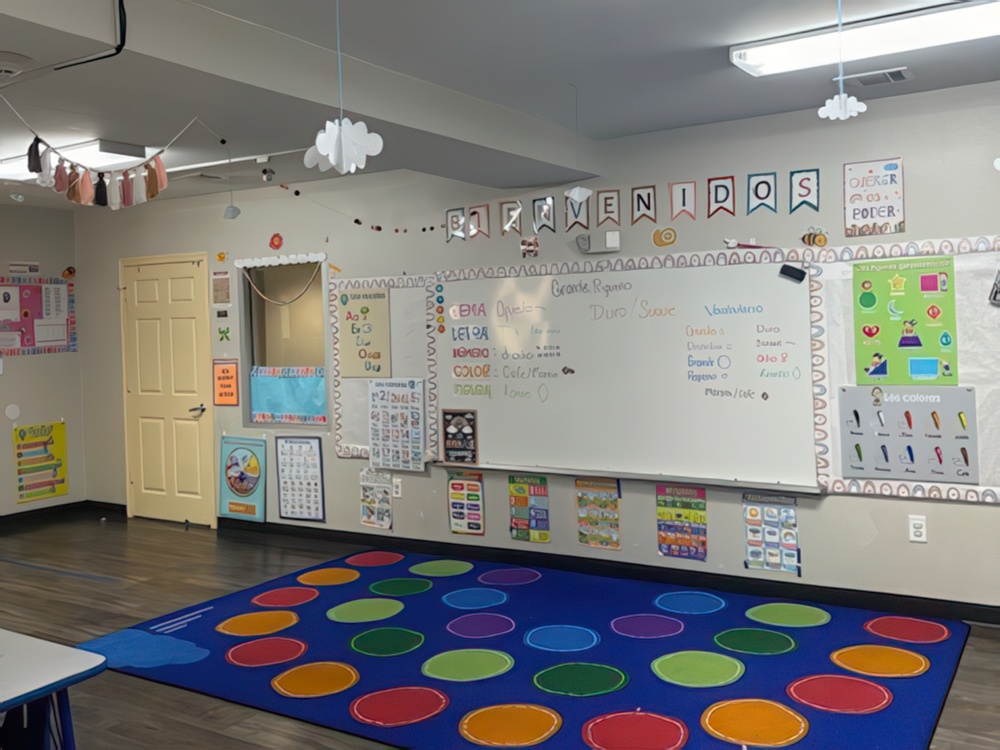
[243, 481]
[529, 508]
[597, 512]
[904, 322]
[772, 533]
[40, 461]
[681, 521]
[37, 316]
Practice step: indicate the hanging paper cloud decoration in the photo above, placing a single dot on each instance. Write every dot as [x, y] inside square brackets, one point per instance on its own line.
[343, 145]
[579, 193]
[842, 107]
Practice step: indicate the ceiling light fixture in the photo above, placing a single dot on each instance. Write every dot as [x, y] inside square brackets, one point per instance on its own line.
[900, 33]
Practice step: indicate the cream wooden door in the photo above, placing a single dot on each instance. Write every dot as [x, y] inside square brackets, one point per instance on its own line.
[168, 379]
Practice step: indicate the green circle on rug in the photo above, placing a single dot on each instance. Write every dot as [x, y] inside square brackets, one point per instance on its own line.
[756, 641]
[698, 669]
[365, 610]
[467, 665]
[387, 642]
[441, 568]
[580, 679]
[400, 586]
[789, 615]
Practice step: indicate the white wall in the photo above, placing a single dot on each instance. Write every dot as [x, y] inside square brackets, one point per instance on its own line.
[947, 141]
[44, 387]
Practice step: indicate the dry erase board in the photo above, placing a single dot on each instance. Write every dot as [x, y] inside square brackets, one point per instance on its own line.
[700, 373]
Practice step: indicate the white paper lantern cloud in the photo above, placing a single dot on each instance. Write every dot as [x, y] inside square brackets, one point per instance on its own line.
[344, 146]
[842, 107]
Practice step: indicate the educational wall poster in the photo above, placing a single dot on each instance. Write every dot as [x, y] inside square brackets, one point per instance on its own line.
[681, 521]
[772, 533]
[40, 461]
[242, 485]
[396, 424]
[873, 198]
[597, 512]
[221, 289]
[226, 382]
[288, 395]
[909, 433]
[904, 321]
[376, 498]
[37, 316]
[364, 344]
[300, 478]
[529, 508]
[460, 442]
[466, 509]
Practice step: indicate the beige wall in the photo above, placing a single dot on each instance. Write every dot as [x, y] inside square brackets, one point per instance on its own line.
[947, 141]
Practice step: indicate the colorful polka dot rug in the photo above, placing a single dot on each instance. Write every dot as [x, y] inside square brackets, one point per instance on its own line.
[426, 652]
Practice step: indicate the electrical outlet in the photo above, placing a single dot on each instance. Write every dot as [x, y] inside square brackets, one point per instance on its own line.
[918, 529]
[397, 487]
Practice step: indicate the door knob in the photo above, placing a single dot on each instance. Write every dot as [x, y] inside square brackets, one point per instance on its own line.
[197, 411]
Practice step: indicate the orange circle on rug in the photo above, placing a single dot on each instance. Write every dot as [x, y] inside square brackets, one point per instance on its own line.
[881, 661]
[908, 629]
[632, 730]
[397, 707]
[373, 559]
[258, 623]
[316, 680]
[510, 725]
[328, 577]
[290, 596]
[754, 721]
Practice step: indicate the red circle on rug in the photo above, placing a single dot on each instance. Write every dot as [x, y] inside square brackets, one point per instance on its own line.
[908, 629]
[265, 651]
[286, 597]
[840, 694]
[373, 559]
[635, 730]
[399, 706]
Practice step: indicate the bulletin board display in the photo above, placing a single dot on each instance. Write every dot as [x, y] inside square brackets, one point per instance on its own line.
[369, 344]
[37, 316]
[689, 367]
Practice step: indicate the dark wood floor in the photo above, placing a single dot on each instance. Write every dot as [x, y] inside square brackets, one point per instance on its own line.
[71, 576]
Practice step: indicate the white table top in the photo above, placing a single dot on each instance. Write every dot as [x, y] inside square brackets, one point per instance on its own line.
[31, 668]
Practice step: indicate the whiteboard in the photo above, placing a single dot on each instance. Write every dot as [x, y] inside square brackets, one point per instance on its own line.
[699, 373]
[408, 299]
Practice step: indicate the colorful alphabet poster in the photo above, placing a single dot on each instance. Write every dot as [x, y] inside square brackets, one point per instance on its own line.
[300, 478]
[37, 316]
[396, 424]
[904, 321]
[466, 508]
[243, 480]
[364, 343]
[40, 461]
[376, 498]
[681, 521]
[288, 395]
[772, 533]
[529, 508]
[873, 198]
[597, 512]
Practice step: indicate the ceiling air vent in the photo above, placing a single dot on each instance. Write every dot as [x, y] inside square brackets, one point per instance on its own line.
[879, 77]
[11, 64]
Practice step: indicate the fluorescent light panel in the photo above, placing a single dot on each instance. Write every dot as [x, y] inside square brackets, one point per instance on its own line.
[903, 33]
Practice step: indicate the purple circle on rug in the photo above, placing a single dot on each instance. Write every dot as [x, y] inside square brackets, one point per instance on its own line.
[647, 626]
[480, 625]
[562, 638]
[509, 577]
[474, 598]
[690, 602]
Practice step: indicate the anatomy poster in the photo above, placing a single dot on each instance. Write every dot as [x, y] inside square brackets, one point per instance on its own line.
[242, 484]
[772, 533]
[40, 461]
[529, 508]
[904, 321]
[681, 521]
[466, 511]
[37, 316]
[597, 510]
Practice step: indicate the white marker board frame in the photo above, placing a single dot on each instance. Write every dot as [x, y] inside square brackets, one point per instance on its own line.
[408, 300]
[603, 368]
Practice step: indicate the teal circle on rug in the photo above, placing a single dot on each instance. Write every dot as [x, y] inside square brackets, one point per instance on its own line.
[365, 610]
[387, 642]
[698, 669]
[789, 615]
[400, 586]
[562, 638]
[441, 568]
[690, 602]
[756, 641]
[580, 679]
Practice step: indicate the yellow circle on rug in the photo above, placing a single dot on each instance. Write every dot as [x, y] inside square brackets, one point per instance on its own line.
[258, 623]
[881, 661]
[510, 725]
[754, 722]
[328, 577]
[315, 680]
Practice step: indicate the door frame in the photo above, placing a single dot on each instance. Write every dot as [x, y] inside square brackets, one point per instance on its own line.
[157, 260]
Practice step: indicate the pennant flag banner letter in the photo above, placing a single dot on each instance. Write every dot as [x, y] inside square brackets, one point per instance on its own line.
[762, 191]
[721, 195]
[644, 203]
[682, 199]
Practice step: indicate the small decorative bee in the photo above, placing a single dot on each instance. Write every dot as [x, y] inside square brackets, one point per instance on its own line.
[815, 237]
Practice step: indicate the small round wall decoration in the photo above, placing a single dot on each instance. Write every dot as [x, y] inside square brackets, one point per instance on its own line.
[277, 241]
